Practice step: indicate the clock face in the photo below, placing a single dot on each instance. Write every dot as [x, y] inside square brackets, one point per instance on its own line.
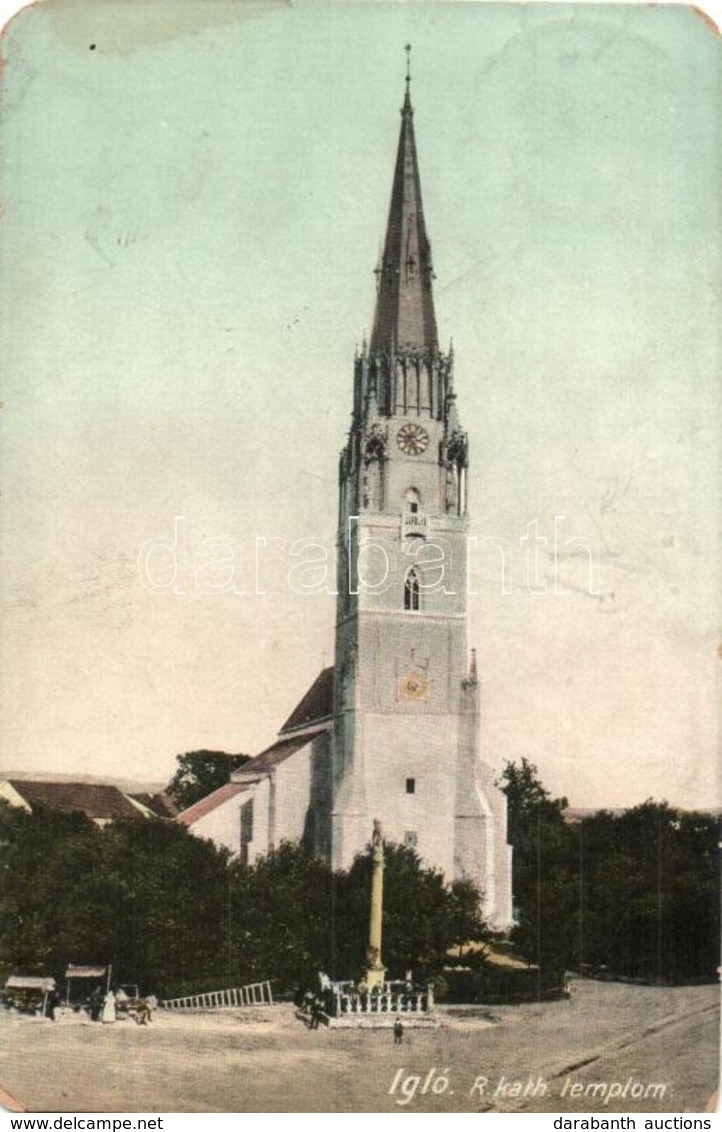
[414, 686]
[412, 439]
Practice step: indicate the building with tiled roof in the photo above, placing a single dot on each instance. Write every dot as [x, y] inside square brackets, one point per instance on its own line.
[100, 802]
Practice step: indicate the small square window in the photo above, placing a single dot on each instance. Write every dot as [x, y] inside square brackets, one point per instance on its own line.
[411, 839]
[410, 785]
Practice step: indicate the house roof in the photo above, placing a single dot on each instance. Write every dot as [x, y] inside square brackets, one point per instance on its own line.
[95, 800]
[314, 709]
[162, 805]
[315, 706]
[272, 756]
[211, 802]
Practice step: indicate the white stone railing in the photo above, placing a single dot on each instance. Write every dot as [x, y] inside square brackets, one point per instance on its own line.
[386, 1001]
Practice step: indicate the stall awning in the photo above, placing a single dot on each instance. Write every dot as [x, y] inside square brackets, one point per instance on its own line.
[30, 982]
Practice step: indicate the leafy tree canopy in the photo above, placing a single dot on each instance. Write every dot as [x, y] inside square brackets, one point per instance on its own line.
[145, 896]
[530, 804]
[176, 915]
[423, 917]
[633, 893]
[199, 773]
[649, 901]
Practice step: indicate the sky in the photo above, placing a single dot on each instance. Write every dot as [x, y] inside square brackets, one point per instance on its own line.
[193, 196]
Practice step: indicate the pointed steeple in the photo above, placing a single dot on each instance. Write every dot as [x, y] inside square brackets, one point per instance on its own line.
[405, 318]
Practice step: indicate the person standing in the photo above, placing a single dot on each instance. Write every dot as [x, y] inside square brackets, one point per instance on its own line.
[398, 1032]
[109, 1013]
[315, 1013]
[96, 1004]
[52, 1004]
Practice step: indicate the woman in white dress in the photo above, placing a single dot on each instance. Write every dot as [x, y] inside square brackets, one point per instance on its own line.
[108, 1014]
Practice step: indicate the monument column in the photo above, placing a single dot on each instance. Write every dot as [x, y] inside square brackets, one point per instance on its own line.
[376, 972]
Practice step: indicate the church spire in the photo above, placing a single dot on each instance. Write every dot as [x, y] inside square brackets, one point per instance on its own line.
[405, 318]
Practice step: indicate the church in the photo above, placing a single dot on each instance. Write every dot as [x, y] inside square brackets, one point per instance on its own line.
[390, 732]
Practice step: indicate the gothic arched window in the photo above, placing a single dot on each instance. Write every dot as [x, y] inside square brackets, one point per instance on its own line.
[412, 591]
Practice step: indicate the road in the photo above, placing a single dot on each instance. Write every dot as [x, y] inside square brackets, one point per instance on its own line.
[611, 1048]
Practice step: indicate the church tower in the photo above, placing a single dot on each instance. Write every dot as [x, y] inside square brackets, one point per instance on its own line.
[406, 694]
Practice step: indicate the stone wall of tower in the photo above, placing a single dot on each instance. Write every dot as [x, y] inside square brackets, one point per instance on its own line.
[481, 852]
[406, 722]
[385, 737]
[411, 761]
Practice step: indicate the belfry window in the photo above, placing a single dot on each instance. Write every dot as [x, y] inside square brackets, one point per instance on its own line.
[413, 500]
[412, 591]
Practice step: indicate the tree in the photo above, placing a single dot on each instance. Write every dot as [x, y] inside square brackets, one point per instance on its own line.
[423, 917]
[52, 892]
[176, 915]
[293, 917]
[543, 874]
[146, 896]
[529, 803]
[634, 894]
[465, 921]
[199, 773]
[649, 893]
[282, 917]
[168, 894]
